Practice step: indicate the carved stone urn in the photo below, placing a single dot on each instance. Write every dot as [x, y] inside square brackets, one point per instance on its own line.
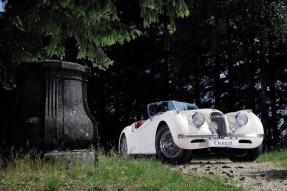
[52, 111]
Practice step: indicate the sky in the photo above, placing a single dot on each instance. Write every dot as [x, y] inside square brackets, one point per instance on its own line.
[1, 6]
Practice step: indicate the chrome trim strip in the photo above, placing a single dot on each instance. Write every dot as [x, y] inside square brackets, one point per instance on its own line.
[252, 135]
[182, 136]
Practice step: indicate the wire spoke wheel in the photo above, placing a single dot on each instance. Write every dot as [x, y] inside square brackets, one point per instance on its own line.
[166, 149]
[167, 146]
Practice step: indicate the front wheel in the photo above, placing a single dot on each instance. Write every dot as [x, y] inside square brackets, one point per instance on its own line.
[244, 155]
[167, 150]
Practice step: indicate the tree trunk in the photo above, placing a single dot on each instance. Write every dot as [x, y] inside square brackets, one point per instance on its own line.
[216, 80]
[271, 84]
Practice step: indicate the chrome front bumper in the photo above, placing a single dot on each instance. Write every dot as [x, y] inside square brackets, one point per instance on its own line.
[215, 136]
[198, 141]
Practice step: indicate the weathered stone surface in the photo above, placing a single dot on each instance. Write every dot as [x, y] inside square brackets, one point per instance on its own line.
[72, 156]
[52, 110]
[66, 119]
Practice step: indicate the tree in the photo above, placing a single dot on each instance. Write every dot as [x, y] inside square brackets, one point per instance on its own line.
[35, 30]
[240, 45]
[219, 57]
[80, 31]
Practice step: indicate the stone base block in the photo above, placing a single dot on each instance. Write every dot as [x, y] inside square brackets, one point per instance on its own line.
[72, 156]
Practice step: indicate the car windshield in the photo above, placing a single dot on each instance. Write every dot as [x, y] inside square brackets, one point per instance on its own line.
[163, 106]
[182, 106]
[159, 107]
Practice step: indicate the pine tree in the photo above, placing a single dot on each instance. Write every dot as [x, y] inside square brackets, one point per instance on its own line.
[34, 30]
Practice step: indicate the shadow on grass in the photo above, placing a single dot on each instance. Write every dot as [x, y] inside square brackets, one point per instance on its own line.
[272, 174]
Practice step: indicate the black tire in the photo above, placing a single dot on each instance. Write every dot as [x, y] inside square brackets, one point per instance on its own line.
[244, 155]
[123, 146]
[180, 156]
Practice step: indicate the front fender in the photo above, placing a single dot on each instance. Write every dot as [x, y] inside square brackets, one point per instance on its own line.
[185, 126]
[254, 124]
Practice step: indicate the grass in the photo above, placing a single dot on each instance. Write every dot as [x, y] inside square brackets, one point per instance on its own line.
[277, 157]
[111, 173]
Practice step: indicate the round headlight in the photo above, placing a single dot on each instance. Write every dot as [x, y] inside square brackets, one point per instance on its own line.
[241, 119]
[198, 119]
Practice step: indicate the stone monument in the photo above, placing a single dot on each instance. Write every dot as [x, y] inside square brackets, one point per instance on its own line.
[52, 111]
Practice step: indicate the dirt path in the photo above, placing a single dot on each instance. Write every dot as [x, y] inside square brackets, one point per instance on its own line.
[252, 176]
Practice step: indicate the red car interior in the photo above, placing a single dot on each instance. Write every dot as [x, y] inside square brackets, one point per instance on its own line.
[139, 123]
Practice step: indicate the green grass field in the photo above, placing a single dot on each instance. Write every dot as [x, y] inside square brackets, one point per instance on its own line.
[111, 173]
[277, 157]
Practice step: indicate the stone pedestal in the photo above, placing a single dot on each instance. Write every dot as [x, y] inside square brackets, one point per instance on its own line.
[52, 110]
[72, 156]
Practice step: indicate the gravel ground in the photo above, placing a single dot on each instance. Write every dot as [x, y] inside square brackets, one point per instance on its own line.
[251, 176]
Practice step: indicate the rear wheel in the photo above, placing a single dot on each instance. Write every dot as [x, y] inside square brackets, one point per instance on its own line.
[244, 155]
[123, 146]
[167, 150]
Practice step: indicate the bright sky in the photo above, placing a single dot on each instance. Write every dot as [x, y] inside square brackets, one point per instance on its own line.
[1, 6]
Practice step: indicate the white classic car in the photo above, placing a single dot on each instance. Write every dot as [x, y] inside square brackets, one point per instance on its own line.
[175, 128]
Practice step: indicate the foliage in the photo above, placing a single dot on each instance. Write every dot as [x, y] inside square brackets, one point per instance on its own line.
[52, 184]
[276, 157]
[150, 10]
[233, 52]
[111, 173]
[74, 30]
[228, 55]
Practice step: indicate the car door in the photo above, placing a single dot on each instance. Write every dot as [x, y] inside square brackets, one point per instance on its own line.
[143, 138]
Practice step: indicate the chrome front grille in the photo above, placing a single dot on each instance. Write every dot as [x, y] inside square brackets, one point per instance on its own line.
[218, 118]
